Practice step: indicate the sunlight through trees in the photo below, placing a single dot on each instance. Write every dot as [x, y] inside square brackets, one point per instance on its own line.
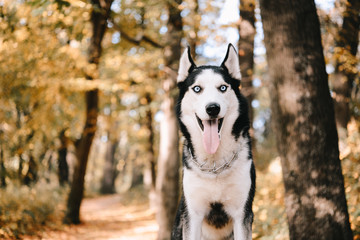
[87, 99]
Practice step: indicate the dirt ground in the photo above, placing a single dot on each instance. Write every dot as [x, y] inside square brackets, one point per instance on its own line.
[107, 218]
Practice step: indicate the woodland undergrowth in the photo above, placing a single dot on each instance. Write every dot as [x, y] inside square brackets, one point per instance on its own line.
[28, 210]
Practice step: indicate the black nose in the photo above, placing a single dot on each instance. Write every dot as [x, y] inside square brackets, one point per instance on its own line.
[213, 109]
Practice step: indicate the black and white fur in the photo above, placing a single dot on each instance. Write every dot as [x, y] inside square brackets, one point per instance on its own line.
[219, 187]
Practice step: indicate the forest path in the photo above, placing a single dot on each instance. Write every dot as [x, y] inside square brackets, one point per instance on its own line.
[105, 218]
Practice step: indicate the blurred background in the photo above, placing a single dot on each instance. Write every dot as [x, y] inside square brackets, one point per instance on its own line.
[56, 68]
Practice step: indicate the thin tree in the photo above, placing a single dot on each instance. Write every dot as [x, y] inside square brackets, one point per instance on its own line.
[167, 180]
[345, 67]
[31, 175]
[99, 16]
[2, 162]
[303, 116]
[194, 33]
[247, 33]
[109, 171]
[246, 50]
[151, 161]
[63, 167]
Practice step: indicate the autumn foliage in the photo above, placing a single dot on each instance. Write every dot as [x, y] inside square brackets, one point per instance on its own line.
[44, 76]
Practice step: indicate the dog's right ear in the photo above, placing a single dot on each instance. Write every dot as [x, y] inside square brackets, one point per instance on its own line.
[231, 62]
[186, 65]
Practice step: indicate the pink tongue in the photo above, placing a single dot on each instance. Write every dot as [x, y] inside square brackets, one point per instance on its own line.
[211, 137]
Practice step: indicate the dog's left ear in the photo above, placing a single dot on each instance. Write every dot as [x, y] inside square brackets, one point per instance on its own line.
[186, 65]
[231, 62]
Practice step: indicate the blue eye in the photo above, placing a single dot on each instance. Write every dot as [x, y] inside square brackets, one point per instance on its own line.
[223, 88]
[197, 89]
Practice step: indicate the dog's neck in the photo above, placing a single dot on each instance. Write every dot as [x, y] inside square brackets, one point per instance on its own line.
[212, 165]
[229, 151]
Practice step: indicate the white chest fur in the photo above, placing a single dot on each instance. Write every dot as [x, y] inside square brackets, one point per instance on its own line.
[230, 188]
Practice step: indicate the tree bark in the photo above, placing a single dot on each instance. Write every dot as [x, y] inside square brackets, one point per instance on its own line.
[193, 35]
[151, 164]
[109, 173]
[19, 150]
[347, 43]
[167, 181]
[2, 166]
[304, 122]
[99, 16]
[246, 53]
[21, 164]
[31, 175]
[63, 167]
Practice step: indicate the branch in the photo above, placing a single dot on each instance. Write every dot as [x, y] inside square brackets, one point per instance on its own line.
[135, 41]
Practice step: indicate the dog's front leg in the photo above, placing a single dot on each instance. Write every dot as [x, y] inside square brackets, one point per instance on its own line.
[195, 222]
[241, 232]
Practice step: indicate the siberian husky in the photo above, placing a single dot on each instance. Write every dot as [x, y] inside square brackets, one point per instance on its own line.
[218, 171]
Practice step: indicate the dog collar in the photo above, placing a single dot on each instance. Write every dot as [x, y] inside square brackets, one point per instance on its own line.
[214, 169]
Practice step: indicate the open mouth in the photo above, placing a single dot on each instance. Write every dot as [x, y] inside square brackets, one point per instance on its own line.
[211, 136]
[211, 121]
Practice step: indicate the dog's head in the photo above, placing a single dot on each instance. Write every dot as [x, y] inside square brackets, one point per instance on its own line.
[208, 105]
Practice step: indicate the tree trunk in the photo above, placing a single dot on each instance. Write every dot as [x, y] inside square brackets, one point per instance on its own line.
[2, 167]
[150, 175]
[246, 53]
[63, 167]
[109, 173]
[19, 150]
[31, 175]
[193, 35]
[167, 181]
[99, 17]
[345, 69]
[82, 153]
[21, 164]
[304, 122]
